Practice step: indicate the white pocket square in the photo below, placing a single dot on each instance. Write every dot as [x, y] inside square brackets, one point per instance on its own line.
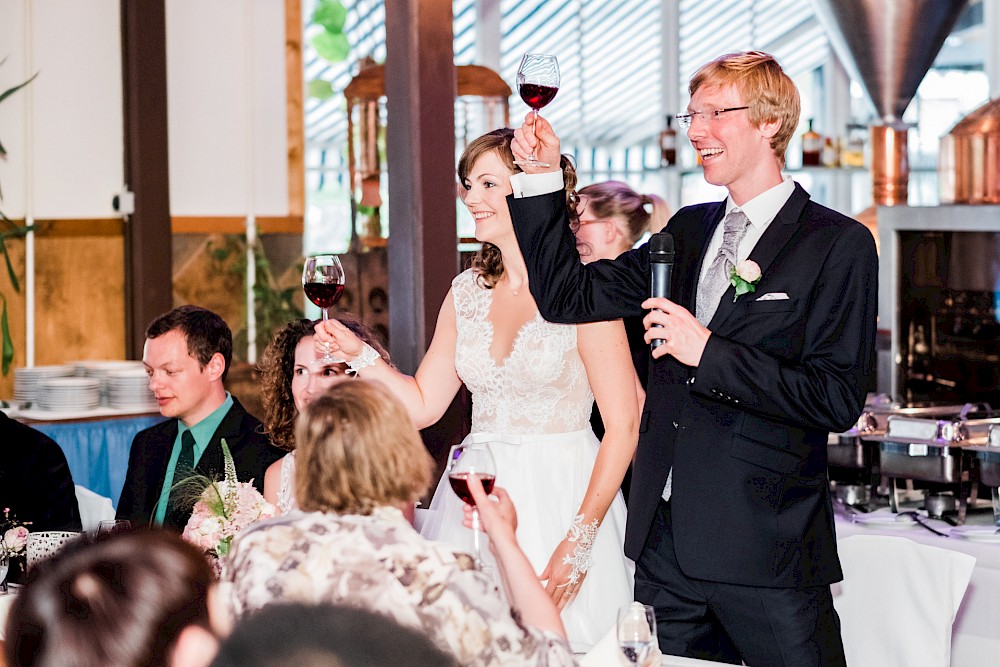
[773, 296]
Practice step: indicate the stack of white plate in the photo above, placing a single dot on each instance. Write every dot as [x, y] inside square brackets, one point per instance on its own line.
[130, 390]
[27, 380]
[100, 370]
[69, 394]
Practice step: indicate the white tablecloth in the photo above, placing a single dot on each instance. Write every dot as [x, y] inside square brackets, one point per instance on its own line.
[976, 633]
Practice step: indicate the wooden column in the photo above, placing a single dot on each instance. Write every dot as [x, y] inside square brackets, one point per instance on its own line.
[148, 257]
[423, 244]
[420, 137]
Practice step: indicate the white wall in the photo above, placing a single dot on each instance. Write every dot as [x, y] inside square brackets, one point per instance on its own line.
[64, 131]
[226, 107]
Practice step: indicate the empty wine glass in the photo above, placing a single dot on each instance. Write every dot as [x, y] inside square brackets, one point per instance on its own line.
[636, 632]
[4, 567]
[323, 283]
[464, 461]
[537, 84]
[110, 527]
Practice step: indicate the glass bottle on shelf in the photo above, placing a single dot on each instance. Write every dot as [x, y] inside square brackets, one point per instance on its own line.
[830, 156]
[812, 146]
[668, 145]
[853, 154]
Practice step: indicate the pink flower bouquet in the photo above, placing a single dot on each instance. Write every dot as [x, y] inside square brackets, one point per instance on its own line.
[225, 508]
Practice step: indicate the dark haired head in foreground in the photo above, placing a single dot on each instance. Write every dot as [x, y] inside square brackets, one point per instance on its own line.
[326, 636]
[125, 601]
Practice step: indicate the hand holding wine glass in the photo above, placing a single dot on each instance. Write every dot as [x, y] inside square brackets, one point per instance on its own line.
[464, 461]
[636, 631]
[537, 84]
[323, 283]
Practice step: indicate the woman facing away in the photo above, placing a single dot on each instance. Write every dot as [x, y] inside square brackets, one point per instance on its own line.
[533, 384]
[144, 599]
[291, 376]
[360, 460]
[611, 218]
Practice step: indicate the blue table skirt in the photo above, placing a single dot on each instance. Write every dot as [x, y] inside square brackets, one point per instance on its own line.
[97, 451]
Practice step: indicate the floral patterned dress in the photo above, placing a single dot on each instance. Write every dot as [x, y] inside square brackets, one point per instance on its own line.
[380, 563]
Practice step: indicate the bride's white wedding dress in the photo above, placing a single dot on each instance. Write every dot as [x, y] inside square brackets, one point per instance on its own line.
[534, 410]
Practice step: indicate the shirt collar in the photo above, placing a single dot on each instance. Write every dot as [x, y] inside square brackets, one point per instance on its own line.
[205, 429]
[762, 209]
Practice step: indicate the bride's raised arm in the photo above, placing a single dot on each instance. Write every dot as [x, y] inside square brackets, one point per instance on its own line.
[604, 349]
[427, 394]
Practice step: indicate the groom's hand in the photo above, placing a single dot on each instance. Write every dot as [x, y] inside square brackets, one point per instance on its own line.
[683, 335]
[536, 135]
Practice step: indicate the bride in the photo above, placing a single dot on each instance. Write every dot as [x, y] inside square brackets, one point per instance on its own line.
[533, 384]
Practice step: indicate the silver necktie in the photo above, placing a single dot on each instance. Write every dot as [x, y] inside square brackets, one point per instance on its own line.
[716, 280]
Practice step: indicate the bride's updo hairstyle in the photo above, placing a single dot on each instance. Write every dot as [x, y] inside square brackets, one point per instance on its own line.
[488, 262]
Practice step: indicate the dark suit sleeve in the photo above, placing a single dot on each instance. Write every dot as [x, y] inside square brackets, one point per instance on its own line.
[58, 509]
[825, 388]
[566, 290]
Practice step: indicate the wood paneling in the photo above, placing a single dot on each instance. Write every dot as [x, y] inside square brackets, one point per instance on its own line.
[296, 118]
[15, 312]
[287, 224]
[79, 294]
[79, 298]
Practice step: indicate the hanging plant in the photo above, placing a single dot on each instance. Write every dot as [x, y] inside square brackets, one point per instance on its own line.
[329, 41]
[8, 230]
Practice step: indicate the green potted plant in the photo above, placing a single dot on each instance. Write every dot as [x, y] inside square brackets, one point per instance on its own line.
[8, 230]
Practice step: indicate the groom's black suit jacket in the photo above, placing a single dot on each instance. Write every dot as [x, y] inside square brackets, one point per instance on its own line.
[746, 430]
[147, 463]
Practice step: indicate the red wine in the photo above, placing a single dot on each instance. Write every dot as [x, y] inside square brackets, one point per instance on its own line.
[537, 96]
[323, 295]
[460, 485]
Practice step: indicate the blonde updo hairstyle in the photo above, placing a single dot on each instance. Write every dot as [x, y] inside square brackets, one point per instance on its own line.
[356, 449]
[488, 262]
[634, 214]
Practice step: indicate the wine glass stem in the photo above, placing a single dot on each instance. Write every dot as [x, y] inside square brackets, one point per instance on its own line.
[475, 537]
[534, 134]
[326, 314]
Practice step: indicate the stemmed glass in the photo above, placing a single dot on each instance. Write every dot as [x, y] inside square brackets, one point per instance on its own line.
[636, 632]
[537, 84]
[323, 283]
[109, 527]
[4, 567]
[464, 461]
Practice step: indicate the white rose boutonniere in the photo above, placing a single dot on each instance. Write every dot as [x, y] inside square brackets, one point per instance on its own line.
[744, 277]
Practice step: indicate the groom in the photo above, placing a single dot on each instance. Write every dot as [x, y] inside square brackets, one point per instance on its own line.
[730, 521]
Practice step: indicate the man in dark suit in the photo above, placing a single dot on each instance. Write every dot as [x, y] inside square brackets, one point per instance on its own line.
[730, 521]
[35, 481]
[187, 356]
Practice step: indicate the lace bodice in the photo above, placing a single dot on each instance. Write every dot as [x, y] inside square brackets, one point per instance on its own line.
[286, 490]
[541, 387]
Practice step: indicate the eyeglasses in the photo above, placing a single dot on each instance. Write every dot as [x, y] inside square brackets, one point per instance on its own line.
[684, 119]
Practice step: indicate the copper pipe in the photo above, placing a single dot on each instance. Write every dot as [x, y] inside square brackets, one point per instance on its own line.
[890, 164]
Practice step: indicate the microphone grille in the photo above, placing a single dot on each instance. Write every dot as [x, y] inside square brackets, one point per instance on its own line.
[661, 243]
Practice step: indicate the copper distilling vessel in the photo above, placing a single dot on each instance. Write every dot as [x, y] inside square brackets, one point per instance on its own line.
[969, 158]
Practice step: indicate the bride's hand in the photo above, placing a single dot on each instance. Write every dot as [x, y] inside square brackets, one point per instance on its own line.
[333, 337]
[557, 575]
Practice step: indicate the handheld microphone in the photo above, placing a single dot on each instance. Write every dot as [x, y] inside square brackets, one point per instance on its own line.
[661, 265]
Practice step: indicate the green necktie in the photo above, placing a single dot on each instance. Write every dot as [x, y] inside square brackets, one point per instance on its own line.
[176, 516]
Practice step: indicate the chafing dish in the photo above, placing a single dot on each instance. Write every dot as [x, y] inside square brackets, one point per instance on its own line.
[934, 450]
[853, 457]
[989, 458]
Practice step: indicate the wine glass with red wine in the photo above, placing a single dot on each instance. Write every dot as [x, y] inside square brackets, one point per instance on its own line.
[465, 461]
[323, 283]
[537, 84]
